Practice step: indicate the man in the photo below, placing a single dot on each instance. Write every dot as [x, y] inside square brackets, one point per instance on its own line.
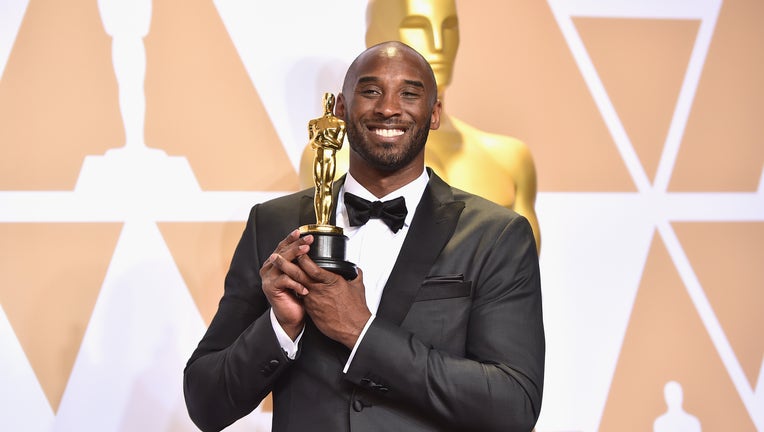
[499, 168]
[440, 331]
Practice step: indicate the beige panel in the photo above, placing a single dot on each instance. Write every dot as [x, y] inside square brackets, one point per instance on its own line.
[666, 341]
[200, 103]
[514, 75]
[727, 258]
[203, 251]
[50, 277]
[642, 63]
[58, 97]
[722, 148]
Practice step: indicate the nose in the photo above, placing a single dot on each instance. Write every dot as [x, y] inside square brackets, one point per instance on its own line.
[388, 105]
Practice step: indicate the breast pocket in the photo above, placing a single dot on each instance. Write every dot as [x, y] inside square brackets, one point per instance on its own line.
[440, 313]
[444, 287]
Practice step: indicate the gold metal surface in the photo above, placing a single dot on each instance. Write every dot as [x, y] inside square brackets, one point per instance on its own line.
[326, 134]
[323, 229]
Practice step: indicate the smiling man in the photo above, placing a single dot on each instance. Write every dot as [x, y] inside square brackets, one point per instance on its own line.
[440, 331]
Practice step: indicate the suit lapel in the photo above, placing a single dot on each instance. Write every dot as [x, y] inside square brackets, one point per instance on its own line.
[433, 224]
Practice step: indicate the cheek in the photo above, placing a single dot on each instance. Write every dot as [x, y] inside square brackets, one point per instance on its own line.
[355, 111]
[423, 116]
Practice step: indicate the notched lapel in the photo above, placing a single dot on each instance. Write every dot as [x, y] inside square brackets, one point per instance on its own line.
[433, 224]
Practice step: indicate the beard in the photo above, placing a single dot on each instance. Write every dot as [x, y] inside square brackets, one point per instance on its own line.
[385, 156]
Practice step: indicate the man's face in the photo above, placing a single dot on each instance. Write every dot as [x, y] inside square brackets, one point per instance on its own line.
[429, 26]
[388, 103]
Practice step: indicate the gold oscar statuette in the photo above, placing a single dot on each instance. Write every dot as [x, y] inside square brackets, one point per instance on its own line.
[326, 134]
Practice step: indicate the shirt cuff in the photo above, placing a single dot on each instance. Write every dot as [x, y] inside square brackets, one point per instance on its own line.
[289, 346]
[357, 343]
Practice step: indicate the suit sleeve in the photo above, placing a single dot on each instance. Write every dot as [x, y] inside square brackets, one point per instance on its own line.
[497, 385]
[239, 357]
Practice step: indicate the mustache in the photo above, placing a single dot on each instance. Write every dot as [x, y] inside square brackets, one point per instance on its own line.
[389, 123]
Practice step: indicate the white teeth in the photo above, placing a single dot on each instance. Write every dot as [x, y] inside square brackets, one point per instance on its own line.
[388, 133]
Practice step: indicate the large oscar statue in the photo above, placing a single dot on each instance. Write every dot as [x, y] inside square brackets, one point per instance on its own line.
[326, 134]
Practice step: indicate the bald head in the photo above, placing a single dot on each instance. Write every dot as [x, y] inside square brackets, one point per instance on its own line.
[394, 52]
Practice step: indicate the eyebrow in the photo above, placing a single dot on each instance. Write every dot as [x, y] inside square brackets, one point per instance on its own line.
[367, 79]
[371, 79]
[419, 84]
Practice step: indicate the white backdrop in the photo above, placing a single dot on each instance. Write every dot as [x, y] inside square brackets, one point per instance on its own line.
[602, 252]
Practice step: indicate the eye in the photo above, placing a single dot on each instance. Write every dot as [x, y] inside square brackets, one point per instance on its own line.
[369, 92]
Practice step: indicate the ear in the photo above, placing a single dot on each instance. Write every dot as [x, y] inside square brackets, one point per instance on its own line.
[339, 107]
[435, 118]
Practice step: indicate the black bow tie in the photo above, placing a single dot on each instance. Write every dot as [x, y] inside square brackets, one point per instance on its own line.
[392, 212]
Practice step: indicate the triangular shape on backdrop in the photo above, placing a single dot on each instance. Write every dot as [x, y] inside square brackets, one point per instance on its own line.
[50, 310]
[666, 341]
[201, 103]
[642, 65]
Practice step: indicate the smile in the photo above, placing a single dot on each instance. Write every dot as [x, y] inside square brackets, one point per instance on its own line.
[387, 133]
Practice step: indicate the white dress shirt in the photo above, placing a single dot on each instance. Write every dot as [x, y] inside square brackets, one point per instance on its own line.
[373, 247]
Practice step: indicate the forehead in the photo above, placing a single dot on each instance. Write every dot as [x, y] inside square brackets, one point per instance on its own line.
[392, 62]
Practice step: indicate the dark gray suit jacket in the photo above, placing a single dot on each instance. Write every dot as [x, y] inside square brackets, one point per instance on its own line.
[457, 344]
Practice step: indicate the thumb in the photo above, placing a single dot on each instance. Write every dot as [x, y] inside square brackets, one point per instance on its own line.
[359, 277]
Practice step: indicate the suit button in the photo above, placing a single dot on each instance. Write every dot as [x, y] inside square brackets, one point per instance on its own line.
[269, 367]
[359, 405]
[378, 387]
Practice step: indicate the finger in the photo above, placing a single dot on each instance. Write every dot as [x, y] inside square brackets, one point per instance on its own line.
[291, 277]
[294, 245]
[290, 238]
[358, 281]
[287, 284]
[284, 244]
[268, 262]
[314, 272]
[267, 267]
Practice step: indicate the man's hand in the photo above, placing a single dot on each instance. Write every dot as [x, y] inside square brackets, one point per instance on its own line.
[294, 285]
[284, 292]
[336, 306]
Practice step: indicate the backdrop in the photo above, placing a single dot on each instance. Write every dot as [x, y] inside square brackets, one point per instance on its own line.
[136, 135]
